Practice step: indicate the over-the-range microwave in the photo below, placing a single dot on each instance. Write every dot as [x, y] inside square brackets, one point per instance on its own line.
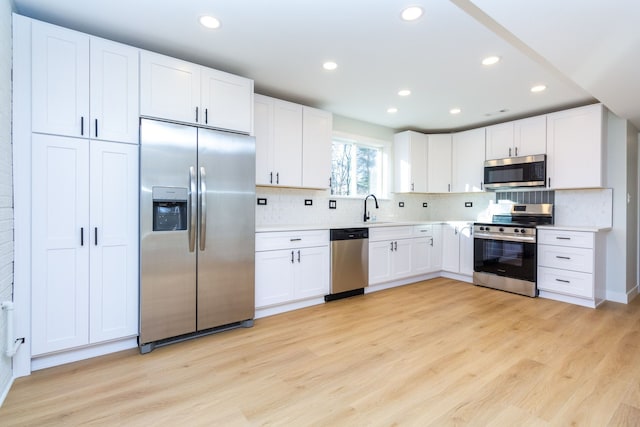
[512, 172]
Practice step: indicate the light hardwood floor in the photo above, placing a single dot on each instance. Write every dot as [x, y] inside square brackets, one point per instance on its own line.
[439, 352]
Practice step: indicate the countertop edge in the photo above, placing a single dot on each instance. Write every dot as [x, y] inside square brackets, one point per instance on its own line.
[302, 227]
[593, 229]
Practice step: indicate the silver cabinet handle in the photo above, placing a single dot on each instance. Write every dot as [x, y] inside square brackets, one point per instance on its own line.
[196, 114]
[449, 188]
[509, 151]
[562, 257]
[193, 207]
[82, 125]
[277, 177]
[412, 186]
[270, 177]
[516, 151]
[432, 241]
[82, 236]
[563, 238]
[395, 246]
[203, 208]
[95, 236]
[298, 256]
[291, 257]
[297, 239]
[391, 246]
[562, 280]
[96, 127]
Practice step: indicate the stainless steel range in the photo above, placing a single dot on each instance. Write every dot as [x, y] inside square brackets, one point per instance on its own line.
[504, 255]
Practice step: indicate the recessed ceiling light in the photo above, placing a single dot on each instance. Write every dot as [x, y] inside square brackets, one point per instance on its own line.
[404, 92]
[538, 88]
[209, 22]
[490, 60]
[330, 65]
[392, 110]
[455, 111]
[412, 13]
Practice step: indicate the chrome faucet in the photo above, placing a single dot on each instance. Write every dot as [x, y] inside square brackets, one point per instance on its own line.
[366, 216]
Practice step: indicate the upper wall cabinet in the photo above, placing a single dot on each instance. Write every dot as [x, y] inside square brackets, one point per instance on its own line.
[83, 86]
[524, 137]
[410, 158]
[467, 159]
[575, 147]
[293, 144]
[439, 163]
[177, 90]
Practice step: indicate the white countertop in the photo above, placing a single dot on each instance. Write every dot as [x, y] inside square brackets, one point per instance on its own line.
[592, 229]
[370, 224]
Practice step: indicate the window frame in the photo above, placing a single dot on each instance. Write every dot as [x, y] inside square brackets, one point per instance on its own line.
[385, 148]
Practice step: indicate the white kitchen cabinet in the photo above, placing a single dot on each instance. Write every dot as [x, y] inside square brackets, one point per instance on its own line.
[83, 86]
[291, 266]
[523, 137]
[84, 242]
[181, 91]
[426, 251]
[410, 158]
[390, 253]
[575, 147]
[468, 151]
[317, 127]
[571, 266]
[293, 144]
[457, 248]
[380, 256]
[439, 163]
[113, 278]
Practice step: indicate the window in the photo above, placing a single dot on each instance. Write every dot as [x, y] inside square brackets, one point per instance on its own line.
[358, 166]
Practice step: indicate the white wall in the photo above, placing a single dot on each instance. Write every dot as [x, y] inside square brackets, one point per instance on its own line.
[6, 184]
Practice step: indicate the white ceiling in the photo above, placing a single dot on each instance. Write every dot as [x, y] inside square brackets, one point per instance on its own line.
[583, 50]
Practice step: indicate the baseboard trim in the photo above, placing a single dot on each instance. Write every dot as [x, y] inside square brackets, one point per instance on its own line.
[55, 359]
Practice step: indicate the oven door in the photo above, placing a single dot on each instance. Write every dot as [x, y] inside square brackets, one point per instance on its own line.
[507, 258]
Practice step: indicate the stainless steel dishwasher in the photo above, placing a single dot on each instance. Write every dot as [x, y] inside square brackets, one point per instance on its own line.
[349, 262]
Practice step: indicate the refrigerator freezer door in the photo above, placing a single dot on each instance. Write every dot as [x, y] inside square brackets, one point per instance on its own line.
[168, 267]
[226, 219]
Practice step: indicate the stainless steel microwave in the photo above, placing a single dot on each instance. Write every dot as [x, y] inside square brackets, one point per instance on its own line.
[526, 171]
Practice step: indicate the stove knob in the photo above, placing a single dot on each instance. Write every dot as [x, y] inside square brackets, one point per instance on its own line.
[481, 228]
[501, 229]
[516, 230]
[523, 231]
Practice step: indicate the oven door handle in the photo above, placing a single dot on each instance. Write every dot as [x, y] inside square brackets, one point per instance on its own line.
[523, 239]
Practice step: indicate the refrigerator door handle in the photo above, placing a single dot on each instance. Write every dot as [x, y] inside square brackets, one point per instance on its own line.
[203, 208]
[193, 207]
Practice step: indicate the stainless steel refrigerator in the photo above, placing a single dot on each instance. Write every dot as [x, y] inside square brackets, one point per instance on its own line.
[197, 232]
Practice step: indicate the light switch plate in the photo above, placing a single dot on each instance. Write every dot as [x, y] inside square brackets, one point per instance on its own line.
[332, 204]
[262, 201]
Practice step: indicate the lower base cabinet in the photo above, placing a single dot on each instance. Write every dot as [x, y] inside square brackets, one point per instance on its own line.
[571, 266]
[457, 248]
[291, 266]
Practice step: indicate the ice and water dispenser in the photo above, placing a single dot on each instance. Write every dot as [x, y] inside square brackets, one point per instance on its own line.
[170, 208]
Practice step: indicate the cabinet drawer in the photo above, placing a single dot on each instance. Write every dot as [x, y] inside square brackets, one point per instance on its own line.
[291, 239]
[575, 259]
[575, 239]
[423, 230]
[390, 233]
[565, 282]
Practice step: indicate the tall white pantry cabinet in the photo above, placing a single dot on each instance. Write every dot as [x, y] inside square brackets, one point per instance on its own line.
[83, 136]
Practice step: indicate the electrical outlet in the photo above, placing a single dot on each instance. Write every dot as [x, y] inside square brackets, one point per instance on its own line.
[262, 201]
[425, 205]
[401, 204]
[468, 204]
[308, 202]
[332, 204]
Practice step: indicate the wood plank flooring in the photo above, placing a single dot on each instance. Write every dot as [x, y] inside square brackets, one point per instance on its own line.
[438, 352]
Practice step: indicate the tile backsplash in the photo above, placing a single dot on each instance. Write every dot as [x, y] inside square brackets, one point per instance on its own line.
[286, 206]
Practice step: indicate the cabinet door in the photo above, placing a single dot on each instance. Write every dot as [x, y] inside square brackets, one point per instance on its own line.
[274, 277]
[436, 248]
[466, 250]
[227, 101]
[113, 239]
[169, 88]
[530, 136]
[311, 272]
[468, 160]
[60, 243]
[401, 259]
[450, 248]
[380, 254]
[421, 255]
[439, 163]
[574, 147]
[500, 139]
[287, 137]
[317, 126]
[410, 157]
[263, 131]
[114, 92]
[60, 80]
